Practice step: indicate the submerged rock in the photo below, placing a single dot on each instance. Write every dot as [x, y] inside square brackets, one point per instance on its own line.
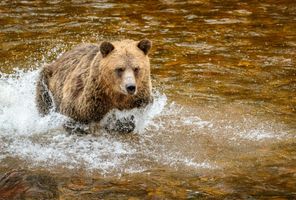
[22, 184]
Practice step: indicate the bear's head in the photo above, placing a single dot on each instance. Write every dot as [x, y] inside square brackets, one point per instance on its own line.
[125, 68]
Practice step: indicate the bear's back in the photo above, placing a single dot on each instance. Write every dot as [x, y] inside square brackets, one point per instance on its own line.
[81, 55]
[69, 69]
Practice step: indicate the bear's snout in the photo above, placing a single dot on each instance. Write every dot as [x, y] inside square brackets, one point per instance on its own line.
[129, 82]
[130, 88]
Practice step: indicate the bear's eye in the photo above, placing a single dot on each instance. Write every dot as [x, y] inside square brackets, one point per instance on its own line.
[136, 70]
[119, 71]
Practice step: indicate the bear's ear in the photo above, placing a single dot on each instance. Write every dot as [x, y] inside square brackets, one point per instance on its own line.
[106, 48]
[145, 45]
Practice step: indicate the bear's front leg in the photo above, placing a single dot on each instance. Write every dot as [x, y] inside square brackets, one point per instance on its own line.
[73, 127]
[123, 125]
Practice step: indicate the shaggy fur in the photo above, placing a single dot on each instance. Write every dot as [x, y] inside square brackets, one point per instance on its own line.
[83, 85]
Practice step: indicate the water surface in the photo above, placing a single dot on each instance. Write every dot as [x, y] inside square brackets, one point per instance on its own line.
[224, 121]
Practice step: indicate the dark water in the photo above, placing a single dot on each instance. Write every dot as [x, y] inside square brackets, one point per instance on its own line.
[227, 69]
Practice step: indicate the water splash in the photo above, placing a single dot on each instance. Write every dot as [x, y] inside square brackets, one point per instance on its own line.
[41, 141]
[143, 117]
[165, 134]
[18, 113]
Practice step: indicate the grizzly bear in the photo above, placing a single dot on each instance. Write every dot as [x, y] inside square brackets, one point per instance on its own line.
[88, 81]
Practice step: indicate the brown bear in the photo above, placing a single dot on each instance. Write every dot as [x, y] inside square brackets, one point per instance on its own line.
[88, 81]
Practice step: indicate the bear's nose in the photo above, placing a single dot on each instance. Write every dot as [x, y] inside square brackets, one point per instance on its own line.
[130, 88]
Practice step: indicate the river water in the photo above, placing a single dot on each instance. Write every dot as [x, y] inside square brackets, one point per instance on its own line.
[223, 124]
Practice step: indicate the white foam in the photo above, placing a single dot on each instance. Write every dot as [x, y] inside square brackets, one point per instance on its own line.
[41, 141]
[196, 121]
[177, 159]
[167, 134]
[260, 135]
[18, 113]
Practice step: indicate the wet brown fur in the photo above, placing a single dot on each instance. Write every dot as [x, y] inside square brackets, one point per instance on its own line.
[80, 83]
